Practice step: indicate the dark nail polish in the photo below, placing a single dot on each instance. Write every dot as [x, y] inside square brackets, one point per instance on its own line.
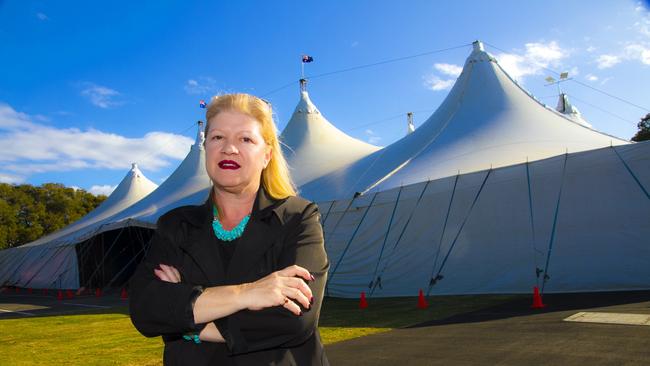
[311, 300]
[300, 314]
[312, 277]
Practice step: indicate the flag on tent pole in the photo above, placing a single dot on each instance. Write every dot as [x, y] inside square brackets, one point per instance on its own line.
[307, 59]
[202, 103]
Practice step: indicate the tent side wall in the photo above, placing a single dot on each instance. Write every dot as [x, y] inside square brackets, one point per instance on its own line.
[579, 218]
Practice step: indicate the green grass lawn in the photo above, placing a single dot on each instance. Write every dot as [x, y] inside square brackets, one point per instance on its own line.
[109, 338]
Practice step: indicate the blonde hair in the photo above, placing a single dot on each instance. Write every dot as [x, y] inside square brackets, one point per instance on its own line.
[276, 179]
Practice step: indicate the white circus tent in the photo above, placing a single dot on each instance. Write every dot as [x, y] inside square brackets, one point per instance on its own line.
[37, 262]
[314, 147]
[495, 193]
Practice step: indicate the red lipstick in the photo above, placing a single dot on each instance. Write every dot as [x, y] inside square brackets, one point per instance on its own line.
[228, 164]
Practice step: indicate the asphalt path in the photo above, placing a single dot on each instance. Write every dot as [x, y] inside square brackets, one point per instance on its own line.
[512, 334]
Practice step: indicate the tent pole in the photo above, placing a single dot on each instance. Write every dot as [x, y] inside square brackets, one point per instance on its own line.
[375, 280]
[347, 246]
[453, 243]
[104, 255]
[130, 261]
[532, 223]
[57, 250]
[401, 234]
[338, 222]
[553, 229]
[629, 170]
[328, 213]
[444, 228]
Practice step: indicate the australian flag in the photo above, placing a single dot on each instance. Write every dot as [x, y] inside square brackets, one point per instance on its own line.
[307, 59]
[202, 103]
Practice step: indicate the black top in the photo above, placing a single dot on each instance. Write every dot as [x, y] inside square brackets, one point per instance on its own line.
[279, 233]
[226, 250]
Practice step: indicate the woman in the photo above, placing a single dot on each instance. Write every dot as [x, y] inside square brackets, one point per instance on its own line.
[240, 279]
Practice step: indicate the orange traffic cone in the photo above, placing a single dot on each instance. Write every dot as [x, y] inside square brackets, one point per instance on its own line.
[422, 302]
[363, 303]
[98, 292]
[59, 295]
[124, 295]
[69, 294]
[537, 299]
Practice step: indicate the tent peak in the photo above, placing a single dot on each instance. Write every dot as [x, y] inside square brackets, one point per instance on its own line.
[305, 104]
[479, 54]
[135, 170]
[200, 137]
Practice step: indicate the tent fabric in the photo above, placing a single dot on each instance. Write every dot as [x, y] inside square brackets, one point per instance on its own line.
[38, 262]
[314, 147]
[487, 120]
[600, 238]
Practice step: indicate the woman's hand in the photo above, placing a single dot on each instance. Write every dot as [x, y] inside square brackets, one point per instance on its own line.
[167, 273]
[286, 287]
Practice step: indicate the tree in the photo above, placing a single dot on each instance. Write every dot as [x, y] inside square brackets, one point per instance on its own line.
[27, 212]
[644, 129]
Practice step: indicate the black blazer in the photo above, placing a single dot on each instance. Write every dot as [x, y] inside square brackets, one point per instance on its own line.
[279, 233]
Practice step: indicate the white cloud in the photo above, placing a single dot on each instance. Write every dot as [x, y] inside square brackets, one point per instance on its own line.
[27, 147]
[372, 137]
[591, 77]
[42, 16]
[536, 58]
[434, 83]
[9, 118]
[100, 96]
[591, 49]
[449, 69]
[607, 61]
[204, 85]
[638, 52]
[106, 190]
[545, 53]
[11, 179]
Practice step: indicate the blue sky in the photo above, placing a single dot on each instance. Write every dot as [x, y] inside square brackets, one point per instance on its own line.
[87, 88]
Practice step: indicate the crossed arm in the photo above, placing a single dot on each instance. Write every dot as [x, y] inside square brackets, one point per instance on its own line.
[248, 316]
[285, 288]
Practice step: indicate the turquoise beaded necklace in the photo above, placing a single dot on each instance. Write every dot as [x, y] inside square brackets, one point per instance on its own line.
[227, 235]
